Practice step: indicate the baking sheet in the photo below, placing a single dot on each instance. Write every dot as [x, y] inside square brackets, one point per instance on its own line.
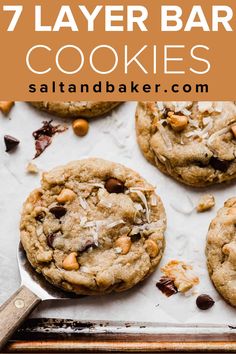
[112, 138]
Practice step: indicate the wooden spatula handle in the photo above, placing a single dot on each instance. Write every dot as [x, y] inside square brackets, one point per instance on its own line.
[14, 311]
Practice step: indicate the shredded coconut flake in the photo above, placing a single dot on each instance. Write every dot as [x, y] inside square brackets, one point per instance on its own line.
[83, 221]
[194, 123]
[105, 203]
[137, 188]
[115, 223]
[186, 112]
[90, 224]
[208, 127]
[83, 203]
[138, 207]
[135, 230]
[138, 221]
[164, 135]
[153, 200]
[144, 200]
[85, 269]
[206, 120]
[217, 134]
[98, 185]
[160, 105]
[152, 227]
[178, 106]
[95, 237]
[205, 106]
[202, 133]
[218, 107]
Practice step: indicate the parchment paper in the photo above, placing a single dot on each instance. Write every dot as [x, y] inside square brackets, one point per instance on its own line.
[112, 138]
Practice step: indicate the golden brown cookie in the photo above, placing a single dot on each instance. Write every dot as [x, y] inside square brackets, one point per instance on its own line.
[221, 251]
[76, 109]
[93, 227]
[193, 142]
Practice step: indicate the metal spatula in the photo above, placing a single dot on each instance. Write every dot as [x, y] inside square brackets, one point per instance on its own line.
[34, 289]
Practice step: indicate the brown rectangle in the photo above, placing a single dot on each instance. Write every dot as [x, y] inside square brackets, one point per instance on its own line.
[16, 77]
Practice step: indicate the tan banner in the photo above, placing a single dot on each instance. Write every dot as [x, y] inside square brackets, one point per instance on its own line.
[117, 50]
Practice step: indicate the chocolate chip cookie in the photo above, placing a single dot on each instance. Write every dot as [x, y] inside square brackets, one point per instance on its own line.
[221, 251]
[194, 142]
[93, 227]
[76, 109]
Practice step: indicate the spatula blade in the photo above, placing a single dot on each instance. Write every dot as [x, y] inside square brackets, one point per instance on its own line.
[36, 282]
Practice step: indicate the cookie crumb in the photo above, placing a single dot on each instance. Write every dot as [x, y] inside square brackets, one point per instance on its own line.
[6, 106]
[182, 275]
[32, 168]
[205, 203]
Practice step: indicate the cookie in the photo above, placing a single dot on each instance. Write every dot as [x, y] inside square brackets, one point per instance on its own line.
[76, 109]
[221, 251]
[193, 142]
[93, 227]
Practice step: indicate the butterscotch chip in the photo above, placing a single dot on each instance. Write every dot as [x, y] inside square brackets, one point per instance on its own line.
[152, 248]
[97, 239]
[6, 106]
[70, 262]
[66, 195]
[80, 127]
[177, 122]
[124, 243]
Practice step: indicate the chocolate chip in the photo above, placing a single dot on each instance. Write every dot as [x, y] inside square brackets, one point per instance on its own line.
[50, 240]
[204, 302]
[167, 286]
[86, 246]
[58, 211]
[114, 185]
[165, 113]
[220, 165]
[164, 124]
[10, 142]
[40, 216]
[199, 163]
[135, 238]
[179, 113]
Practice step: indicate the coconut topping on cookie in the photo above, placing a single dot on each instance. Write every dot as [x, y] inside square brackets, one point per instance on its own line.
[93, 227]
[192, 141]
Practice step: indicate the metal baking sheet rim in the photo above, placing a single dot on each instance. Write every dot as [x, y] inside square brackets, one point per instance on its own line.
[71, 336]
